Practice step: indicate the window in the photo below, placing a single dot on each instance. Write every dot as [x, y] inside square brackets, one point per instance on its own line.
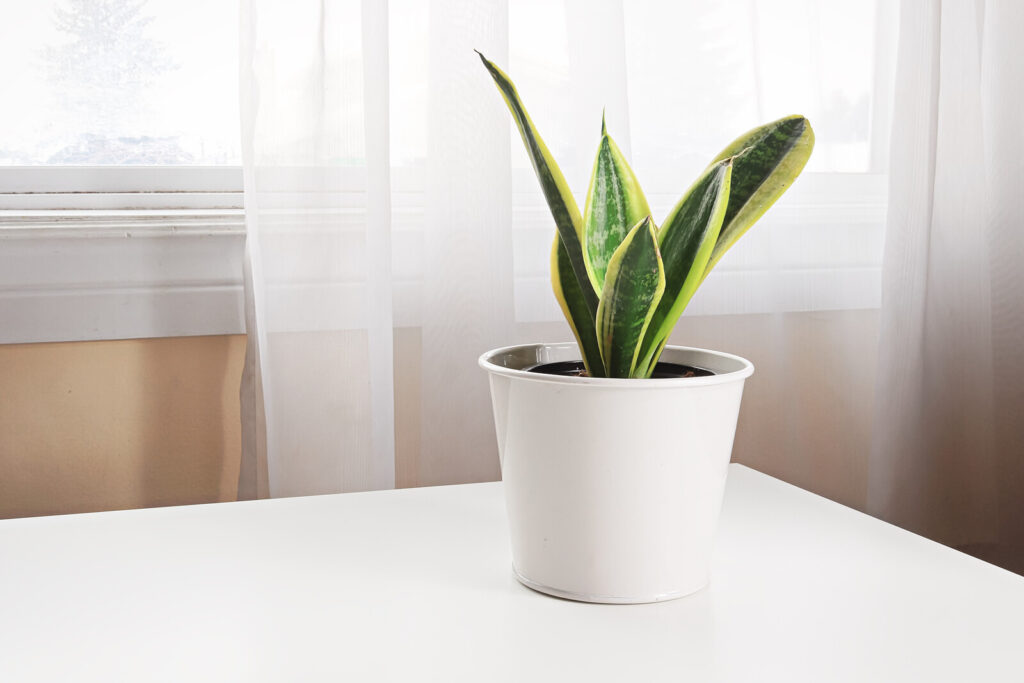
[120, 179]
[99, 85]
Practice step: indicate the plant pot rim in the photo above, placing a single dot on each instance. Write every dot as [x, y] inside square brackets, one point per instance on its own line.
[500, 362]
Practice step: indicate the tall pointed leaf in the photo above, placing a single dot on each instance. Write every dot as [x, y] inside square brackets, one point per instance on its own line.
[633, 286]
[686, 241]
[570, 298]
[766, 161]
[556, 190]
[615, 203]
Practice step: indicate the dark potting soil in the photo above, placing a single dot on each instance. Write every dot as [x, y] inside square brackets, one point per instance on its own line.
[575, 368]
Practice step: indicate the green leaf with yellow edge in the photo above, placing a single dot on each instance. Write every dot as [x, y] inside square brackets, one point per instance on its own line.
[633, 286]
[570, 298]
[766, 161]
[556, 190]
[686, 240]
[615, 203]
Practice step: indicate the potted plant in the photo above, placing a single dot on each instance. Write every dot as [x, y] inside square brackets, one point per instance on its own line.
[614, 450]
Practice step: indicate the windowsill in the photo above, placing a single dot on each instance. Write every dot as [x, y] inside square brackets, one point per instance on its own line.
[91, 274]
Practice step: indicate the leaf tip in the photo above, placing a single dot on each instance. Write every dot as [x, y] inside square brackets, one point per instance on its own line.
[803, 121]
[804, 129]
[604, 129]
[488, 64]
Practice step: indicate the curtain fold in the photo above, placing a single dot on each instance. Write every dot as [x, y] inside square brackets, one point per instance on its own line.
[948, 434]
[1002, 114]
[315, 153]
[380, 321]
[253, 473]
[467, 299]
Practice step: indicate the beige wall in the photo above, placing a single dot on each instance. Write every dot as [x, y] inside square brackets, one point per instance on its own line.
[120, 424]
[807, 410]
[108, 425]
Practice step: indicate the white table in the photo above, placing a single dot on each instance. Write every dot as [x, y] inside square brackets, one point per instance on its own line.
[415, 585]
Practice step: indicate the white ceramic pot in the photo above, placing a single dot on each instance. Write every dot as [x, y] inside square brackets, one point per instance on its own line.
[613, 486]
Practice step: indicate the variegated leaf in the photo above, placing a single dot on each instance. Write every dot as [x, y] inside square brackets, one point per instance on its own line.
[686, 240]
[766, 161]
[556, 191]
[615, 203]
[632, 289]
[570, 299]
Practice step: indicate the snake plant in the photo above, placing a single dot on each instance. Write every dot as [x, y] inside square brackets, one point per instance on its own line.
[622, 281]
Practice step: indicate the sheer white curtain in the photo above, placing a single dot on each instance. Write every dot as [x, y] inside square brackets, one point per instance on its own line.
[318, 408]
[948, 455]
[396, 231]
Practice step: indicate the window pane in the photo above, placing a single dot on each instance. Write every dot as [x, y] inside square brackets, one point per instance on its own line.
[97, 82]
